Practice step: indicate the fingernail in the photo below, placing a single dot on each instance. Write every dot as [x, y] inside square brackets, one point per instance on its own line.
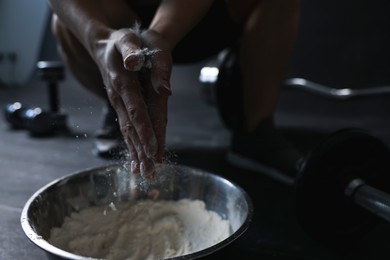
[151, 148]
[150, 151]
[147, 174]
[166, 86]
[165, 89]
[134, 61]
[143, 171]
[134, 167]
[147, 151]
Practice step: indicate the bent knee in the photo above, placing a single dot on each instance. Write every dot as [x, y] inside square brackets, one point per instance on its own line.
[68, 45]
[58, 29]
[63, 35]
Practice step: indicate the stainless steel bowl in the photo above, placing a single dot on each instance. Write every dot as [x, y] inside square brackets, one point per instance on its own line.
[100, 186]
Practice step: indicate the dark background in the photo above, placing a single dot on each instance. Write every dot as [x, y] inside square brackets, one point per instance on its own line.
[341, 44]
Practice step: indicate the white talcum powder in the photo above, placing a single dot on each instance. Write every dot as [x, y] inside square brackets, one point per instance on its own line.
[144, 229]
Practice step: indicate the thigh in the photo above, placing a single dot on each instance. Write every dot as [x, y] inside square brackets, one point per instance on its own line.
[118, 14]
[213, 34]
[239, 10]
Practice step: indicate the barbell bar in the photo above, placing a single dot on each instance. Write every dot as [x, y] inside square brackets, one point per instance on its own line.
[342, 186]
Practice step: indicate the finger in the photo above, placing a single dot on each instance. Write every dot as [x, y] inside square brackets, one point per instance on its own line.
[137, 112]
[124, 121]
[133, 155]
[134, 60]
[160, 72]
[126, 97]
[139, 129]
[158, 111]
[145, 165]
[130, 47]
[140, 163]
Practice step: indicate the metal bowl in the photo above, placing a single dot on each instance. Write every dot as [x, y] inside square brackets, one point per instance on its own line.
[48, 207]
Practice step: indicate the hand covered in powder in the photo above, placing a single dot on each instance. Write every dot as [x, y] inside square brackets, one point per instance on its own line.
[136, 69]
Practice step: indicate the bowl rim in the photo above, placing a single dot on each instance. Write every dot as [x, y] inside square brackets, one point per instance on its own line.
[49, 248]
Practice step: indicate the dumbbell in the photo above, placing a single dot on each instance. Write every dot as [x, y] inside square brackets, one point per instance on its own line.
[37, 121]
[342, 189]
[14, 114]
[47, 122]
[221, 81]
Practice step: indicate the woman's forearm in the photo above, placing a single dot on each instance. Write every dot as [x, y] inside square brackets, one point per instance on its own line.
[84, 19]
[173, 19]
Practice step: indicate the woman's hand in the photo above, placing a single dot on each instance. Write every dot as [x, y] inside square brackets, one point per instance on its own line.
[136, 69]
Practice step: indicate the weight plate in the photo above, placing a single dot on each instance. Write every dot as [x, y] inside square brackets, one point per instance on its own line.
[229, 96]
[323, 210]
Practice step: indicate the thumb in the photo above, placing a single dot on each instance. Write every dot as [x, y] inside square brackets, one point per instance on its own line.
[133, 60]
[129, 46]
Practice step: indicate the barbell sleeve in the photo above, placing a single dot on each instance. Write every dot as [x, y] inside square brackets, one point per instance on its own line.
[373, 200]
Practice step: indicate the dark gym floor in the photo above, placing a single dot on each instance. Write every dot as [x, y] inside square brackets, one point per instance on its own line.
[196, 137]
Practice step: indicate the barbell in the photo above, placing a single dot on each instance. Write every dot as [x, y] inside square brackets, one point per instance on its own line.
[342, 187]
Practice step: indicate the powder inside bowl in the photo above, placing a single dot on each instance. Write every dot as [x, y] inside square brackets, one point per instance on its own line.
[142, 229]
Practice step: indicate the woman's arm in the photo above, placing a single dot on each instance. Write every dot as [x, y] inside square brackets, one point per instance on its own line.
[85, 19]
[141, 105]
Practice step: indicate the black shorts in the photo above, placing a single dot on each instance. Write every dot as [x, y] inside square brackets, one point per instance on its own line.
[217, 25]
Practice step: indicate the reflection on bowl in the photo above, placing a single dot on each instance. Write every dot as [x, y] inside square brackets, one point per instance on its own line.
[49, 206]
